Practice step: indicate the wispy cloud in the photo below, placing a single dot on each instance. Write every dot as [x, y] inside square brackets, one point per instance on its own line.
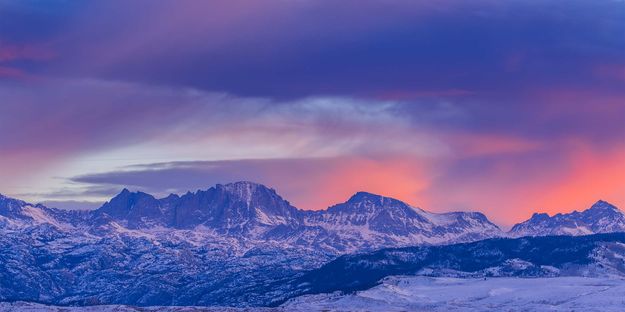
[419, 97]
[300, 180]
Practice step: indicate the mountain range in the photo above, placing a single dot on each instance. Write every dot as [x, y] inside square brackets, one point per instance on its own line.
[602, 217]
[242, 244]
[252, 211]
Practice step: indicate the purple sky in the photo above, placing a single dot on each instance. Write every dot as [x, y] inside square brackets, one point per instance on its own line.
[506, 107]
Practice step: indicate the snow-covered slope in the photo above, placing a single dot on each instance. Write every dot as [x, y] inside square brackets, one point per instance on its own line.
[599, 255]
[602, 217]
[374, 221]
[17, 214]
[409, 293]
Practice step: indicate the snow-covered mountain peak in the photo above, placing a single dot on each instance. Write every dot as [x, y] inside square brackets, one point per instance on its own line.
[127, 198]
[234, 208]
[603, 207]
[362, 197]
[15, 213]
[539, 216]
[388, 221]
[242, 185]
[9, 199]
[11, 206]
[365, 196]
[245, 190]
[364, 202]
[602, 217]
[171, 197]
[135, 208]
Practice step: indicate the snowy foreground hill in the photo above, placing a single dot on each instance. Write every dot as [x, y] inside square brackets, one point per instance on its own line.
[402, 293]
[565, 294]
[242, 245]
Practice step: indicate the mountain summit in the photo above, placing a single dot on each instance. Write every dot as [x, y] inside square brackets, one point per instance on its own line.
[235, 207]
[602, 217]
[10, 207]
[382, 221]
[135, 209]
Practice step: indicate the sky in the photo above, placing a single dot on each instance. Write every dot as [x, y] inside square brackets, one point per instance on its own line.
[504, 107]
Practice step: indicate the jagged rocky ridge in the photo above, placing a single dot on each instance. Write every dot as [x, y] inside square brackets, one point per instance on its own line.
[252, 212]
[248, 210]
[231, 208]
[602, 217]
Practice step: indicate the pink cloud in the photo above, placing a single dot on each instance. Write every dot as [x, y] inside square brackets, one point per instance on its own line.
[569, 176]
[13, 52]
[472, 145]
[12, 73]
[408, 95]
[401, 177]
[612, 72]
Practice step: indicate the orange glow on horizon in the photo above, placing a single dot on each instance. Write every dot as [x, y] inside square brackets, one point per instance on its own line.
[508, 194]
[338, 179]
